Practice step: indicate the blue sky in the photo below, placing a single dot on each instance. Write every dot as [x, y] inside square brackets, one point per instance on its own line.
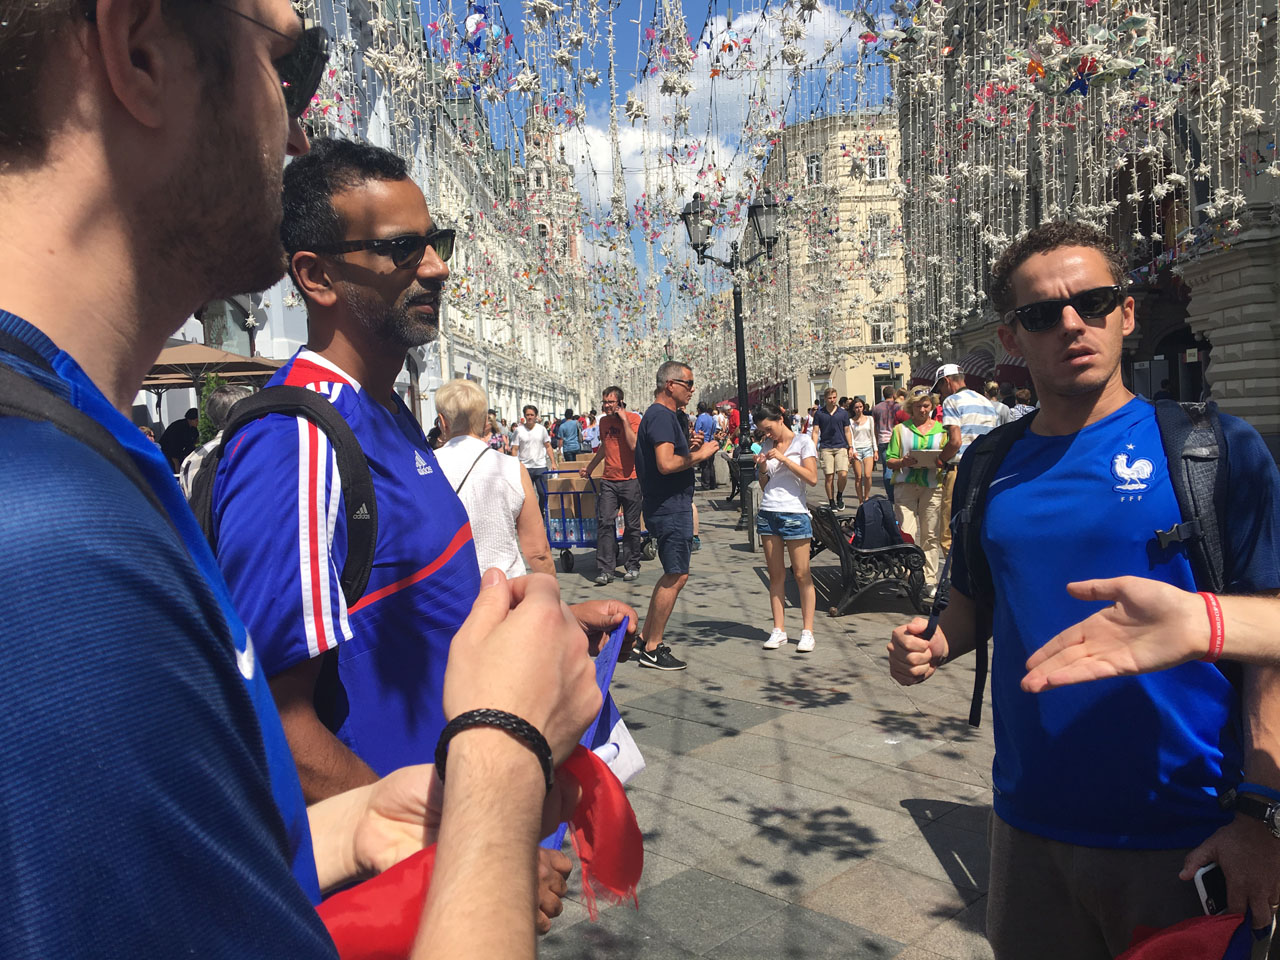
[733, 93]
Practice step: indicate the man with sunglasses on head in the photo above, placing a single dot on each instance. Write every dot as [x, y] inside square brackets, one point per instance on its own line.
[1106, 794]
[152, 807]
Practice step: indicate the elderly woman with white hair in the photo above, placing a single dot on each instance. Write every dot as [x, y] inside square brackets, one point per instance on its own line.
[496, 490]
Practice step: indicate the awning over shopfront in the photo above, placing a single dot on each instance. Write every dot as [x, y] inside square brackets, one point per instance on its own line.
[186, 365]
[978, 366]
[1013, 370]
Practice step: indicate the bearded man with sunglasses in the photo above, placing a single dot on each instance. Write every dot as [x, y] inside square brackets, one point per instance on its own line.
[1106, 795]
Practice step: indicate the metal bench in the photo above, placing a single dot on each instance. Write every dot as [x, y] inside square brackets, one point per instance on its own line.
[862, 569]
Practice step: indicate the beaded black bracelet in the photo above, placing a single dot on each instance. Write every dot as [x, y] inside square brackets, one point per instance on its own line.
[520, 729]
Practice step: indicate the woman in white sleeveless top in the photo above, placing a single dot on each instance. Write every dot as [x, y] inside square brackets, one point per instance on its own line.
[496, 490]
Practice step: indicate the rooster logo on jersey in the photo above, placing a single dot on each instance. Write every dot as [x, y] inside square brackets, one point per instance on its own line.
[1132, 476]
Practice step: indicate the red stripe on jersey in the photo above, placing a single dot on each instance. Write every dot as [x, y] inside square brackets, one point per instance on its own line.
[463, 536]
[304, 373]
[318, 603]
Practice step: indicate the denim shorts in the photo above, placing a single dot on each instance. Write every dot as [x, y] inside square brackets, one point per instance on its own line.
[788, 526]
[863, 453]
[673, 533]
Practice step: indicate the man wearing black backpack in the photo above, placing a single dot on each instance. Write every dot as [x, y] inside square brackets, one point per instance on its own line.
[1106, 793]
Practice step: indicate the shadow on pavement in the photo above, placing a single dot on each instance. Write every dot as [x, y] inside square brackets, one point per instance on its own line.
[962, 866]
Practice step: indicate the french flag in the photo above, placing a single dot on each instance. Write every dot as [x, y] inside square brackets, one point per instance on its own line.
[607, 737]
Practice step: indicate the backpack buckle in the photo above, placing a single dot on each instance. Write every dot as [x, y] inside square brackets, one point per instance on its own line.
[1179, 533]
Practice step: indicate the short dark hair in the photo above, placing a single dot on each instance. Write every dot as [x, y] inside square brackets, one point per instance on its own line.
[28, 38]
[192, 414]
[568, 412]
[311, 180]
[609, 390]
[527, 407]
[1042, 239]
[766, 410]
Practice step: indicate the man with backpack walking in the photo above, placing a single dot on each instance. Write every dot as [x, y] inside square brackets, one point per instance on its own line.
[1106, 793]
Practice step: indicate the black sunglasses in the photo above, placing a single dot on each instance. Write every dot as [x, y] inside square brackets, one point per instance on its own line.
[300, 70]
[1090, 304]
[405, 252]
[688, 383]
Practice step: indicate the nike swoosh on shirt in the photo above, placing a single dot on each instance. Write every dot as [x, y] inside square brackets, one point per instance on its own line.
[245, 658]
[1008, 476]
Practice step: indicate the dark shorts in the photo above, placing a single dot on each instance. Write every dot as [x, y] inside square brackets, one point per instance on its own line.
[673, 532]
[788, 526]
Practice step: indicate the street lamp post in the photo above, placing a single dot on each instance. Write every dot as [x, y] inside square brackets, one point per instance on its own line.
[763, 215]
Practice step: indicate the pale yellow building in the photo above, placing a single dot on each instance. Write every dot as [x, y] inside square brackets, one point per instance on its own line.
[830, 309]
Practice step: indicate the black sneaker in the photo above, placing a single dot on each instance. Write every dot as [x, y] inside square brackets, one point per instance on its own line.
[660, 659]
[831, 505]
[839, 503]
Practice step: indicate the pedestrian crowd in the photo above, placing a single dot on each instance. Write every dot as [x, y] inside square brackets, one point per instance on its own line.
[230, 660]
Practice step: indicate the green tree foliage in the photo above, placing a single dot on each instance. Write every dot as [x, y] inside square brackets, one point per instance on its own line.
[207, 430]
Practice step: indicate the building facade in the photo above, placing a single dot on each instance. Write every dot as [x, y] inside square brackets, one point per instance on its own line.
[516, 296]
[829, 310]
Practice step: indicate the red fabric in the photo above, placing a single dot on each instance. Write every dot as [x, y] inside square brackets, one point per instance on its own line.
[1200, 938]
[378, 919]
[605, 834]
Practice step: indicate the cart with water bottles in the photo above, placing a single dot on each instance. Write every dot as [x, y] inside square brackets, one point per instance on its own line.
[567, 528]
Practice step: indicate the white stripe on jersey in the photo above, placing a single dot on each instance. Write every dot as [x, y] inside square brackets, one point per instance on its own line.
[317, 553]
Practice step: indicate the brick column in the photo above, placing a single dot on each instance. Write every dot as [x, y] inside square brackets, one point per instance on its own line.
[1235, 304]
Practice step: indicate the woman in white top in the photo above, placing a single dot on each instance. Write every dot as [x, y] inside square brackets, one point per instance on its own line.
[787, 464]
[864, 447]
[496, 490]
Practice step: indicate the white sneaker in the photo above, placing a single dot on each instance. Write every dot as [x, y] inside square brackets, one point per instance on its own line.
[776, 639]
[806, 641]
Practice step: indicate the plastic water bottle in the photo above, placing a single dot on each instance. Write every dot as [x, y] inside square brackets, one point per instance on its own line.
[557, 528]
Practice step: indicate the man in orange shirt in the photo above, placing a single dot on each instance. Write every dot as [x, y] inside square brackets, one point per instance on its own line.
[619, 487]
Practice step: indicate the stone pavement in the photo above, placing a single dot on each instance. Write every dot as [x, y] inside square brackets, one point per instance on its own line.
[798, 806]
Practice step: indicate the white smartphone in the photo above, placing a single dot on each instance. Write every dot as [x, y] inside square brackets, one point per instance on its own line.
[1211, 884]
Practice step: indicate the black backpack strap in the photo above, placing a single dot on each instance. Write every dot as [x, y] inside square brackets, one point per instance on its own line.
[968, 506]
[353, 471]
[1195, 448]
[25, 398]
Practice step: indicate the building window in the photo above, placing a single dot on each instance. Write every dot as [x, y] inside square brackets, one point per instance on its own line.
[882, 324]
[226, 327]
[879, 245]
[537, 180]
[542, 232]
[877, 162]
[813, 168]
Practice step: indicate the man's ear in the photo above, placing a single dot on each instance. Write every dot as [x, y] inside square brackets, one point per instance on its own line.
[145, 57]
[314, 279]
[1008, 339]
[1130, 320]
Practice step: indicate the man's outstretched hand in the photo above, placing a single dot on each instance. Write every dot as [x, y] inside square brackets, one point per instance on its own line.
[1148, 626]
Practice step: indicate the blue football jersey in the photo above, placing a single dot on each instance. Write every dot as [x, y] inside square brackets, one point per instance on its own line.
[281, 536]
[1128, 761]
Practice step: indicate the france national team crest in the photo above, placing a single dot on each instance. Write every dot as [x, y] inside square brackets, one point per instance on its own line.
[1133, 475]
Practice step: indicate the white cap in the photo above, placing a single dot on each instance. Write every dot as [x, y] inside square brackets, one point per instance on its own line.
[948, 370]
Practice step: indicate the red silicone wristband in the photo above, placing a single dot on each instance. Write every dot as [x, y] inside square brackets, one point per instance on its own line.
[1216, 631]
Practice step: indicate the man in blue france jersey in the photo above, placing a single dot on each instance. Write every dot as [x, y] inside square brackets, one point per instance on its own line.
[1105, 793]
[380, 709]
[380, 705]
[150, 804]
